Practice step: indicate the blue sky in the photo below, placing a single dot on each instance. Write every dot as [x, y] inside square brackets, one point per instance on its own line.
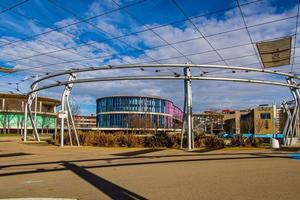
[44, 36]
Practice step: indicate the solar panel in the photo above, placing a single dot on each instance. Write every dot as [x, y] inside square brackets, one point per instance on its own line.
[275, 53]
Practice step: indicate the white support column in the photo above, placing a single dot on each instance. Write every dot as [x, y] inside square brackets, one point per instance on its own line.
[184, 117]
[292, 126]
[65, 108]
[25, 123]
[287, 122]
[189, 110]
[72, 120]
[27, 111]
[62, 120]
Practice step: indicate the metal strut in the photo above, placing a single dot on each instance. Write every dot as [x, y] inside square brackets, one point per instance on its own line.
[291, 128]
[188, 111]
[287, 125]
[31, 98]
[67, 113]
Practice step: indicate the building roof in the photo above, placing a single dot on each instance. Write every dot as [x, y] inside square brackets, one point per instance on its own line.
[22, 96]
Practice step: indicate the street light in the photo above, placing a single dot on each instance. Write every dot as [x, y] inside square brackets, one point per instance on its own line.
[6, 70]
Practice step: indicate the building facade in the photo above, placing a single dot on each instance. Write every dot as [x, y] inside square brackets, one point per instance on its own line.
[264, 119]
[12, 109]
[84, 122]
[137, 112]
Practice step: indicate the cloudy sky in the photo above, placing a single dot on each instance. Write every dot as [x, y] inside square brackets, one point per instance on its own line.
[44, 36]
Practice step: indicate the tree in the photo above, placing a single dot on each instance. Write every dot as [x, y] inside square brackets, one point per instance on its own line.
[6, 120]
[259, 125]
[137, 121]
[75, 107]
[247, 124]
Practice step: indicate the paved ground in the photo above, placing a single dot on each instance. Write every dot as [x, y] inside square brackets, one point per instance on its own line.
[32, 170]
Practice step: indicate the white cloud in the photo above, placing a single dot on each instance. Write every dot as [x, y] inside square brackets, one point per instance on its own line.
[207, 94]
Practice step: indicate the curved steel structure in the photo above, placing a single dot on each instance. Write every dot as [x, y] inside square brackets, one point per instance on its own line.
[187, 77]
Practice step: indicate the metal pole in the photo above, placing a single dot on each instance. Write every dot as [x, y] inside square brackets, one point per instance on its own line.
[55, 129]
[62, 121]
[293, 122]
[297, 117]
[36, 134]
[187, 73]
[72, 120]
[25, 122]
[296, 125]
[31, 97]
[69, 129]
[294, 118]
[287, 122]
[184, 116]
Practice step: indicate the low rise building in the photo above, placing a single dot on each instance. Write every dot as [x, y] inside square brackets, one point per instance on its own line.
[264, 119]
[85, 122]
[12, 109]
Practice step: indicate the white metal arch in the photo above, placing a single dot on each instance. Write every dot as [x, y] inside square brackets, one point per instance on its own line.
[187, 77]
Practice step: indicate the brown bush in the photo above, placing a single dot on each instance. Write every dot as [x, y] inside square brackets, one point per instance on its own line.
[214, 142]
[254, 142]
[238, 141]
[120, 139]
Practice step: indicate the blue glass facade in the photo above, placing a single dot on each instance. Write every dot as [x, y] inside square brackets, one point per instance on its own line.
[121, 111]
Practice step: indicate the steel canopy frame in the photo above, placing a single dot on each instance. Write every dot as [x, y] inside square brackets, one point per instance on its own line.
[135, 66]
[291, 84]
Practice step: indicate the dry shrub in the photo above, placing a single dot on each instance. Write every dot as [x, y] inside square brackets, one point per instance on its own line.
[214, 142]
[199, 140]
[254, 142]
[120, 139]
[238, 141]
[161, 140]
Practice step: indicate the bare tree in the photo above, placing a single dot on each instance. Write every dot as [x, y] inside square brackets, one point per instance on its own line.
[229, 126]
[259, 125]
[136, 121]
[75, 107]
[247, 124]
[6, 120]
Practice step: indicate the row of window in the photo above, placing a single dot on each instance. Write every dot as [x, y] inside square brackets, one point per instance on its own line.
[134, 121]
[143, 104]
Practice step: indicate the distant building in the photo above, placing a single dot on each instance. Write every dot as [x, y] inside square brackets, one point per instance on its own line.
[139, 112]
[209, 122]
[12, 107]
[85, 122]
[263, 119]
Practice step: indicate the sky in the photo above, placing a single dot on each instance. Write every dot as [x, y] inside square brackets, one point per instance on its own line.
[38, 37]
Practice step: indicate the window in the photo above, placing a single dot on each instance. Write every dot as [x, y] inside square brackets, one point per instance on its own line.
[265, 115]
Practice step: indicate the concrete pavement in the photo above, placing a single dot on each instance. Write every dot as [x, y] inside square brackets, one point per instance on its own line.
[41, 170]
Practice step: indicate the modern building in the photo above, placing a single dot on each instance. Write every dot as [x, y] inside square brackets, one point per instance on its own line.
[12, 109]
[83, 122]
[264, 119]
[139, 112]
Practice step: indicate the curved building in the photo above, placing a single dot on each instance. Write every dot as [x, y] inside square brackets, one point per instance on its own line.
[137, 112]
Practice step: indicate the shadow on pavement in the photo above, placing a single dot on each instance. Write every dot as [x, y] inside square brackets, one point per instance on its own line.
[110, 189]
[135, 153]
[293, 149]
[249, 156]
[206, 150]
[186, 154]
[14, 154]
